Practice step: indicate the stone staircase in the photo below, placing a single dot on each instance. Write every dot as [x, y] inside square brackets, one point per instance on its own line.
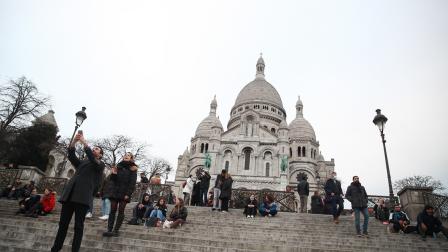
[211, 231]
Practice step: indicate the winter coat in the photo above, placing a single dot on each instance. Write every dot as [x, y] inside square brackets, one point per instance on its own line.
[272, 207]
[357, 195]
[178, 214]
[250, 202]
[430, 221]
[123, 183]
[205, 181]
[48, 202]
[395, 217]
[81, 187]
[333, 186]
[316, 204]
[218, 181]
[188, 186]
[303, 188]
[107, 188]
[162, 208]
[226, 188]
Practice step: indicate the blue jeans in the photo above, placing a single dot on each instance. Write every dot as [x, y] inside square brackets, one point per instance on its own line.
[157, 213]
[365, 213]
[105, 206]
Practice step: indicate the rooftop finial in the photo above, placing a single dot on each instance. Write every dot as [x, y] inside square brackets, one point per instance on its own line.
[299, 107]
[260, 67]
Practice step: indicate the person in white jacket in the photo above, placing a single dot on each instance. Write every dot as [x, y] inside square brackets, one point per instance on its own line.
[187, 190]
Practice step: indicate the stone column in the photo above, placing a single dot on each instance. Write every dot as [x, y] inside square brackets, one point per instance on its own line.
[411, 199]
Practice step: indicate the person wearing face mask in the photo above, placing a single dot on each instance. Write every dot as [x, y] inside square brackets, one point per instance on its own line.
[357, 195]
[123, 179]
[334, 195]
[251, 207]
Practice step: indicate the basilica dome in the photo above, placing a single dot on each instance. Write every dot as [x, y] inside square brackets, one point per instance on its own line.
[300, 128]
[204, 128]
[259, 90]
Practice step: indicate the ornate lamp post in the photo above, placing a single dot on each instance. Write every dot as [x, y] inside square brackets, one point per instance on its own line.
[80, 117]
[380, 121]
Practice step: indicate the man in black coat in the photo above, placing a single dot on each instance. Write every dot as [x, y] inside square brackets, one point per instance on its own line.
[78, 192]
[204, 177]
[357, 195]
[303, 188]
[334, 195]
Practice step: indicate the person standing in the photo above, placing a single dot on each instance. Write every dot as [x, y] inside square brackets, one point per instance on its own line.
[143, 178]
[188, 189]
[226, 192]
[317, 205]
[334, 195]
[303, 188]
[123, 178]
[106, 192]
[78, 192]
[217, 190]
[357, 195]
[204, 185]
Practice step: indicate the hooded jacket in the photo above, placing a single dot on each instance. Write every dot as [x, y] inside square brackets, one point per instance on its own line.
[48, 202]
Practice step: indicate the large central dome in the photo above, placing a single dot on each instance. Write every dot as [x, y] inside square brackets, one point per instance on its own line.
[259, 90]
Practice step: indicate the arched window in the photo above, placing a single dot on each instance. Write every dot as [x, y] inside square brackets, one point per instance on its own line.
[247, 152]
[290, 152]
[312, 153]
[303, 151]
[299, 151]
[273, 130]
[226, 166]
[202, 147]
[206, 147]
[268, 166]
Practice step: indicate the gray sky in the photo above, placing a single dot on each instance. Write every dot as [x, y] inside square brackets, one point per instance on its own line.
[149, 69]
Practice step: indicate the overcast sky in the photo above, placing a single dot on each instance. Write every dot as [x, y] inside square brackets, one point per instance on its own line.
[149, 69]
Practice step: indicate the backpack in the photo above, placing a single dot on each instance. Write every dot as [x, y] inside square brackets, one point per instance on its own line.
[184, 184]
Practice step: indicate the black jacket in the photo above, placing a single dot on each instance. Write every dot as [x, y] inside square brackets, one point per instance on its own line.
[87, 178]
[106, 188]
[218, 181]
[123, 183]
[178, 214]
[226, 189]
[429, 220]
[303, 188]
[357, 195]
[333, 186]
[205, 181]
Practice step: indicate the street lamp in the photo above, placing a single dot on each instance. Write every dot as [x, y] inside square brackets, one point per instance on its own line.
[80, 117]
[380, 121]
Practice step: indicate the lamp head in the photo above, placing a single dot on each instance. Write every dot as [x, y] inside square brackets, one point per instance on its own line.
[80, 116]
[380, 120]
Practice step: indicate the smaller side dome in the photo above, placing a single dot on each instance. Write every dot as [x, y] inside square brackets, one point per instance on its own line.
[283, 125]
[320, 157]
[300, 128]
[204, 128]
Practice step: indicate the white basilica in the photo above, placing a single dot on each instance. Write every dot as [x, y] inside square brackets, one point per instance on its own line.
[255, 142]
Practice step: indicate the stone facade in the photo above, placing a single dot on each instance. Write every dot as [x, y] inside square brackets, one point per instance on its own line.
[255, 142]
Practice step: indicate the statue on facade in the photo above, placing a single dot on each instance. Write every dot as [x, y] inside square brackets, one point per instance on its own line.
[208, 161]
[284, 163]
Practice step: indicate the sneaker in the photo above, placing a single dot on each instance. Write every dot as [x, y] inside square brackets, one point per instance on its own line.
[89, 215]
[213, 209]
[104, 217]
[365, 234]
[223, 211]
[248, 216]
[358, 234]
[252, 216]
[385, 223]
[270, 215]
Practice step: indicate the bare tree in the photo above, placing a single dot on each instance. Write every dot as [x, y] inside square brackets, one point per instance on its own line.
[155, 166]
[19, 101]
[116, 146]
[419, 181]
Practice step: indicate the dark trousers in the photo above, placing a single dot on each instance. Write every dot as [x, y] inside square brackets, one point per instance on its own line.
[114, 205]
[251, 211]
[337, 205]
[225, 204]
[68, 208]
[204, 197]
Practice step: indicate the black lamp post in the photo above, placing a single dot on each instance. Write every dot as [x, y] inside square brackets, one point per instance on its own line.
[380, 121]
[80, 117]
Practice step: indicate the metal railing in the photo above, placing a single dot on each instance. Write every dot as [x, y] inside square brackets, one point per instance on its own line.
[439, 202]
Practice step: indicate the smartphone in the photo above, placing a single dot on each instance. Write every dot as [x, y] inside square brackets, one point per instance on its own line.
[80, 132]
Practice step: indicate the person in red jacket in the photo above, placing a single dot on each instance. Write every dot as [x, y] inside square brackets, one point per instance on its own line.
[46, 204]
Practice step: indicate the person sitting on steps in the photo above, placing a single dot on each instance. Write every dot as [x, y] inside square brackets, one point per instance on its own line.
[399, 221]
[45, 206]
[159, 210]
[138, 213]
[428, 224]
[251, 207]
[28, 203]
[268, 208]
[178, 215]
